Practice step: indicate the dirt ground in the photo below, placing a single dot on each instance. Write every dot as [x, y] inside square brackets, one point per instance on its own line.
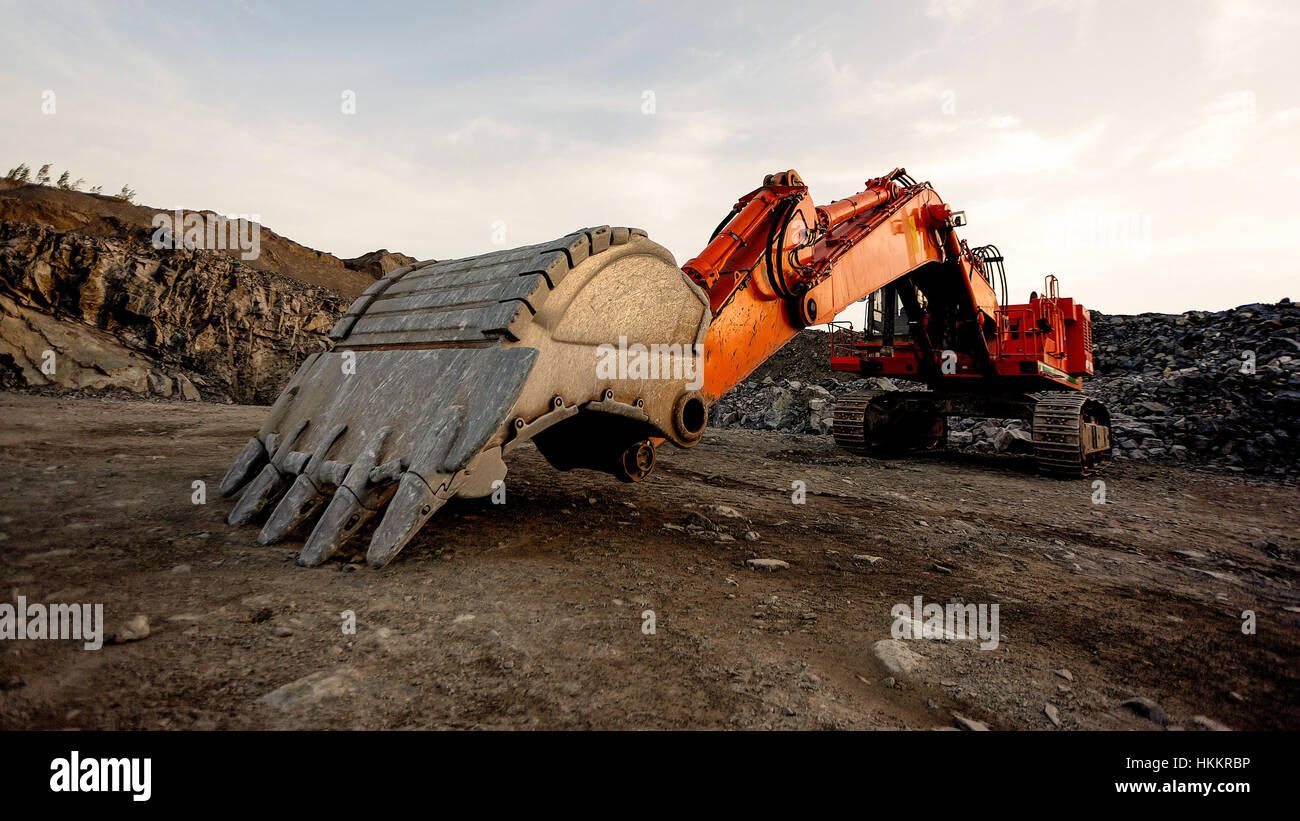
[531, 614]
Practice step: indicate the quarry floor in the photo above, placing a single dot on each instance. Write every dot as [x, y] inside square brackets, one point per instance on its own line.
[536, 613]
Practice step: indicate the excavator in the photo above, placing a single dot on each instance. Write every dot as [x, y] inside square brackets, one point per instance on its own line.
[598, 349]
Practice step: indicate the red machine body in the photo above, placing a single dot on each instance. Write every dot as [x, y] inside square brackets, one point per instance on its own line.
[779, 263]
[938, 314]
[1042, 344]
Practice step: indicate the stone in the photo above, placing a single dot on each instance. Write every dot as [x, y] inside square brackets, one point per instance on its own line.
[312, 689]
[896, 656]
[970, 724]
[1053, 715]
[1146, 708]
[770, 565]
[780, 410]
[697, 519]
[188, 392]
[134, 629]
[1199, 722]
[161, 384]
[1010, 440]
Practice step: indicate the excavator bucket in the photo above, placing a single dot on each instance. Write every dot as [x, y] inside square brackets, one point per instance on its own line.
[588, 346]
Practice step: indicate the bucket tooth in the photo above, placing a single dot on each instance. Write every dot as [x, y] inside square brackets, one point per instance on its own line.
[247, 464]
[411, 506]
[306, 493]
[270, 483]
[342, 518]
[301, 501]
[416, 499]
[259, 493]
[347, 511]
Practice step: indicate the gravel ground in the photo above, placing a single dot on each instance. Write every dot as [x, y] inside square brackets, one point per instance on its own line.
[537, 614]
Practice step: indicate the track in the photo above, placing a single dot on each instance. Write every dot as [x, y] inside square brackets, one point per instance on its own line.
[1071, 431]
[1071, 434]
[849, 425]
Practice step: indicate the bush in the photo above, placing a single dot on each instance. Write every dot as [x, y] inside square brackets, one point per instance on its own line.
[22, 173]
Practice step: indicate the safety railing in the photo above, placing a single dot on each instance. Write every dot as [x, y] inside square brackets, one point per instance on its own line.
[844, 338]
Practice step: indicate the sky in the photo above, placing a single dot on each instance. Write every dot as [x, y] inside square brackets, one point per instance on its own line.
[1144, 152]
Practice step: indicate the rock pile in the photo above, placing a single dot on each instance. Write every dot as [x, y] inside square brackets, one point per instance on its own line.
[1219, 388]
[787, 405]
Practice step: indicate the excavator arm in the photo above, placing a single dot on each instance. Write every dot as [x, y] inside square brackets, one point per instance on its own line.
[596, 348]
[780, 263]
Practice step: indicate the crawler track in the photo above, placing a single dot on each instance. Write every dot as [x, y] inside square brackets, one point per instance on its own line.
[1071, 434]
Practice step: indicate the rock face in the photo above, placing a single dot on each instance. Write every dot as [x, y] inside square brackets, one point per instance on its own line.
[1219, 388]
[100, 217]
[121, 314]
[87, 302]
[378, 264]
[39, 350]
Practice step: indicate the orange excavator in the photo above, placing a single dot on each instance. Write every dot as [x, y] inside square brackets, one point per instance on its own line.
[597, 349]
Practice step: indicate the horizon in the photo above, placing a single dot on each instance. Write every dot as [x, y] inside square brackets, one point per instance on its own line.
[1151, 178]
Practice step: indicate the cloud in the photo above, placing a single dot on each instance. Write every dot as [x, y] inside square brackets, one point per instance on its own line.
[535, 118]
[1239, 35]
[950, 10]
[1228, 132]
[1005, 150]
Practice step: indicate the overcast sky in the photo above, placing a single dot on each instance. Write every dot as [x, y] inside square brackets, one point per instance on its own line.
[1145, 152]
